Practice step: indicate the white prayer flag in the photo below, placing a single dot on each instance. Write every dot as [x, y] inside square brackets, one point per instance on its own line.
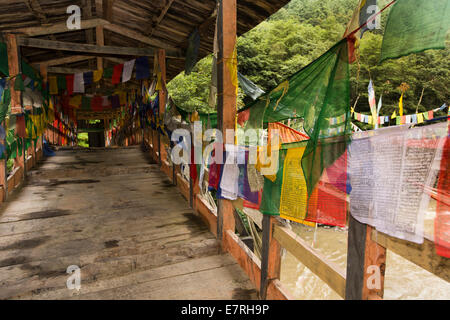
[78, 83]
[128, 70]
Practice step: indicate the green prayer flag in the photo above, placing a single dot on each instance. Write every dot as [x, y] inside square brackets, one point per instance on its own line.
[86, 103]
[29, 71]
[4, 104]
[316, 93]
[18, 83]
[62, 84]
[4, 68]
[107, 73]
[271, 197]
[414, 26]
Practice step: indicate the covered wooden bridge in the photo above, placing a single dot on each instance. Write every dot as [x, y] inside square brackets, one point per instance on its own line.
[124, 214]
[111, 211]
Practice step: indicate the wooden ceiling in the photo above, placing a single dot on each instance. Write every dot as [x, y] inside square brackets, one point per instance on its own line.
[142, 24]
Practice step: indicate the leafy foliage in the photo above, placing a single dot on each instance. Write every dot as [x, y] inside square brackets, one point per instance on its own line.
[301, 32]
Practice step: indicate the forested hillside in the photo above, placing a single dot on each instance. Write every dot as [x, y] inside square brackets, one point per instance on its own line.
[300, 33]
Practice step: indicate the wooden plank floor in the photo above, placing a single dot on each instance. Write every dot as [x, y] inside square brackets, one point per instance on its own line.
[117, 217]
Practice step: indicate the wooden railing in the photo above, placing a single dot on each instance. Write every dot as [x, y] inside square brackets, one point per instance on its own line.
[13, 181]
[366, 257]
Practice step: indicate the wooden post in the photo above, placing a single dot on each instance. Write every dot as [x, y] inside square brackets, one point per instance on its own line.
[162, 94]
[270, 256]
[227, 99]
[100, 39]
[14, 70]
[16, 97]
[366, 263]
[4, 172]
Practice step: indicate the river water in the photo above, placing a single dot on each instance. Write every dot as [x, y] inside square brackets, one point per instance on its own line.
[403, 279]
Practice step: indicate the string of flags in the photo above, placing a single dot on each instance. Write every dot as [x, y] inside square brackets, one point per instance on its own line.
[121, 73]
[416, 118]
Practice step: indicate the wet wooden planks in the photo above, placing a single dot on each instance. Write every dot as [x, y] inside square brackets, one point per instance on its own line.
[117, 217]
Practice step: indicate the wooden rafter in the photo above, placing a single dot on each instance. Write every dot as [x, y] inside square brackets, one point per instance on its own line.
[65, 60]
[100, 38]
[154, 25]
[64, 70]
[85, 48]
[107, 9]
[139, 37]
[36, 10]
[56, 28]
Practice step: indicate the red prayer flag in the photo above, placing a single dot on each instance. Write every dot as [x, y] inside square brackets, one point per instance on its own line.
[69, 84]
[442, 220]
[21, 126]
[96, 104]
[117, 74]
[243, 117]
[328, 202]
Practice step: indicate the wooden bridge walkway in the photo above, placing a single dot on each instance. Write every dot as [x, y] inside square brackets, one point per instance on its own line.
[117, 217]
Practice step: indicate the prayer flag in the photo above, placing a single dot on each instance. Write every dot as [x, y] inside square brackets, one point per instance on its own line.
[192, 51]
[430, 115]
[213, 86]
[420, 118]
[88, 77]
[400, 105]
[128, 70]
[78, 83]
[442, 220]
[414, 26]
[69, 82]
[117, 73]
[372, 101]
[408, 119]
[108, 73]
[294, 194]
[394, 115]
[86, 103]
[62, 83]
[250, 89]
[97, 102]
[75, 101]
[319, 91]
[361, 16]
[98, 74]
[53, 81]
[142, 68]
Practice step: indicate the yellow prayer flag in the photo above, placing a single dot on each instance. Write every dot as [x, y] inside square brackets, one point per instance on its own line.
[123, 98]
[159, 86]
[98, 74]
[420, 118]
[370, 120]
[394, 115]
[294, 192]
[232, 67]
[400, 106]
[75, 101]
[264, 162]
[53, 82]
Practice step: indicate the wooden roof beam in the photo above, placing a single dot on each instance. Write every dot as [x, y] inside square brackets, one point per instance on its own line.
[85, 48]
[65, 60]
[154, 26]
[57, 28]
[107, 9]
[129, 33]
[62, 70]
